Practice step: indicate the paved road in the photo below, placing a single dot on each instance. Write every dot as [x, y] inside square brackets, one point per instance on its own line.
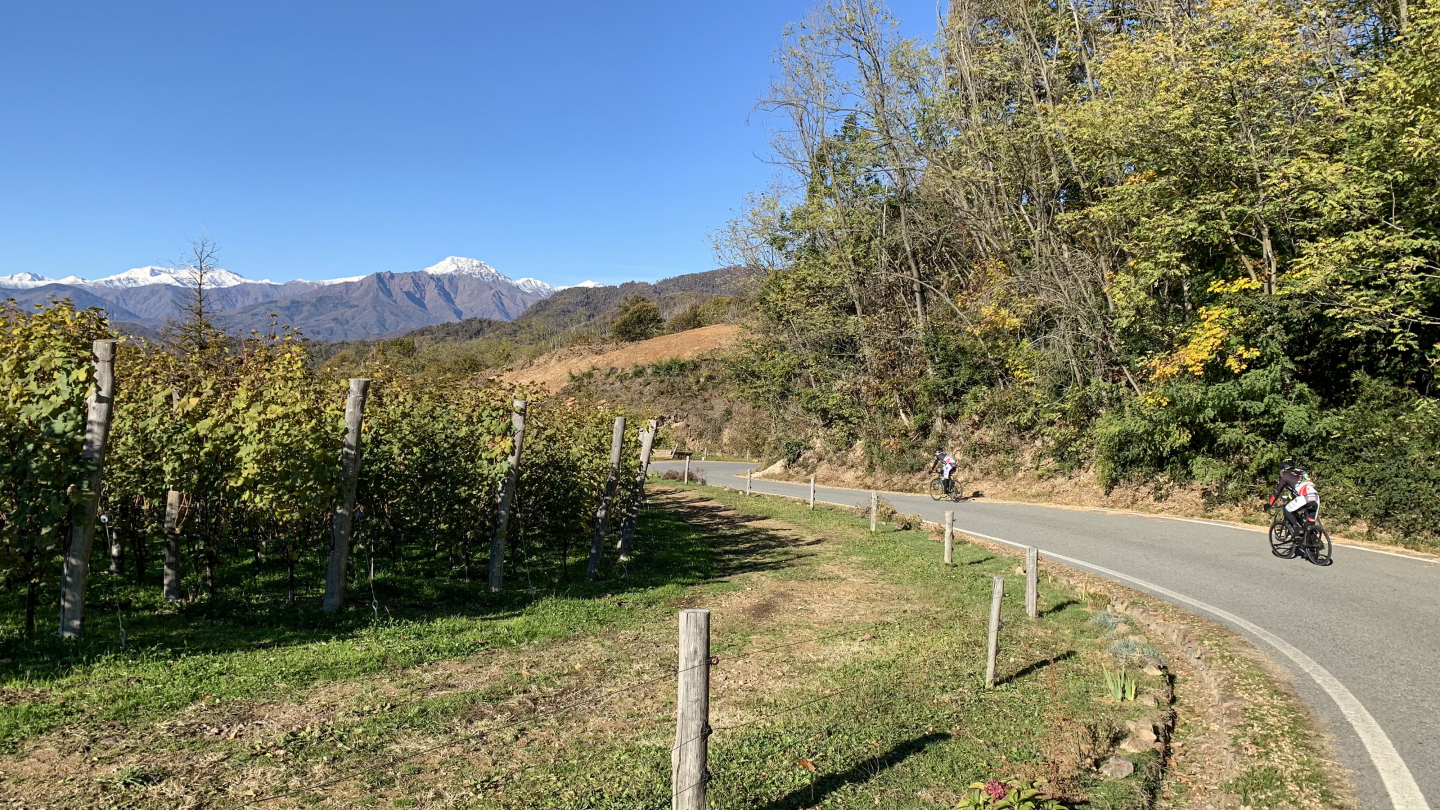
[1361, 637]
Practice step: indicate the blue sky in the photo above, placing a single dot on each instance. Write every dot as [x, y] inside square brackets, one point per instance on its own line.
[563, 140]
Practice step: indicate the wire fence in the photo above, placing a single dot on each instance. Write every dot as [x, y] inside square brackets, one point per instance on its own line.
[594, 698]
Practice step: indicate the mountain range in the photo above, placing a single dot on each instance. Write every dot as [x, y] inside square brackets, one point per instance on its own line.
[144, 299]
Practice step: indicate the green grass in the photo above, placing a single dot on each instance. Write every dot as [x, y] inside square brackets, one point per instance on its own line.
[898, 719]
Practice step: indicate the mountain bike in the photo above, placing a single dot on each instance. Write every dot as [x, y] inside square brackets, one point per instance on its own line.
[938, 491]
[1311, 543]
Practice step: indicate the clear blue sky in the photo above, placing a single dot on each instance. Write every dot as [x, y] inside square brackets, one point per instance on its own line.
[563, 140]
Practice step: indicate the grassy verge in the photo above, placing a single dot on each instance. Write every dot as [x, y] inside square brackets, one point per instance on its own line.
[850, 675]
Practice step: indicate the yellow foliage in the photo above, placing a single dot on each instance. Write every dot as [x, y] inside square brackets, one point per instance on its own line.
[1208, 342]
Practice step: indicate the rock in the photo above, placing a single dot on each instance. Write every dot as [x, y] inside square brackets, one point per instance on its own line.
[1153, 672]
[1135, 745]
[1148, 699]
[1117, 767]
[1143, 729]
[1122, 628]
[1142, 737]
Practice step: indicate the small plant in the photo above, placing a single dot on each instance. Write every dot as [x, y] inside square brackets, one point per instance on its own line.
[1120, 683]
[1105, 619]
[1127, 649]
[994, 794]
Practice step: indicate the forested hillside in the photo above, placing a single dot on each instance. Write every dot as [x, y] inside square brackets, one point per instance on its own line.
[574, 314]
[1166, 242]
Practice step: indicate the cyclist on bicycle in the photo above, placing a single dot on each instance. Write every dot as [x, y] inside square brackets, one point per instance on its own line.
[946, 463]
[1304, 501]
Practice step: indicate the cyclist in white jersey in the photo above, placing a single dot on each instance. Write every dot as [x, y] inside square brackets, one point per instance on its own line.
[946, 464]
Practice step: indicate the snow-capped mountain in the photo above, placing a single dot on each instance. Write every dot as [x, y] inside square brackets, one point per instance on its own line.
[334, 309]
[26, 281]
[136, 277]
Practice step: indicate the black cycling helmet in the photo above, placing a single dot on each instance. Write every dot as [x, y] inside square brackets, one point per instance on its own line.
[1287, 464]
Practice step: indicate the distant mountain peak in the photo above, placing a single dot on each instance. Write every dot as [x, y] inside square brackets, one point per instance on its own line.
[24, 281]
[466, 267]
[536, 286]
[134, 277]
[174, 276]
[588, 283]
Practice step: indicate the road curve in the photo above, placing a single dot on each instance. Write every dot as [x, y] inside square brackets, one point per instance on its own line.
[1361, 638]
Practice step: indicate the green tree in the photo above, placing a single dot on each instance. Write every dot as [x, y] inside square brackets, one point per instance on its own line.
[637, 318]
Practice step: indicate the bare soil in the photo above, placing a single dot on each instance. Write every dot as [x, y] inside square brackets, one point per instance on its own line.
[554, 370]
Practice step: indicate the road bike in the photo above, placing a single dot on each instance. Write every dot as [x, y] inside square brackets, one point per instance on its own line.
[939, 492]
[1311, 543]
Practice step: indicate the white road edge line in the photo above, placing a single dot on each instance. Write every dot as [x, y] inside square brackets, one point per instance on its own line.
[1399, 783]
[1431, 560]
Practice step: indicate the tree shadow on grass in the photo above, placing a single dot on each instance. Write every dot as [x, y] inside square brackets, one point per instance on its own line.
[858, 774]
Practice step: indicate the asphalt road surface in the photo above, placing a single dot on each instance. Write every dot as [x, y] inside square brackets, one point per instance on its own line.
[1361, 638]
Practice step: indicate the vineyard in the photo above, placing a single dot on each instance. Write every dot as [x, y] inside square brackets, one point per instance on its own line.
[222, 484]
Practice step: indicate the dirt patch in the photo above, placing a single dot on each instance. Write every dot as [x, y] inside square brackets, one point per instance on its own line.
[553, 371]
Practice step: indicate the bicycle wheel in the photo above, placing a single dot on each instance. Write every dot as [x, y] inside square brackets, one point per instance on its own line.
[1282, 544]
[937, 489]
[1317, 546]
[957, 490]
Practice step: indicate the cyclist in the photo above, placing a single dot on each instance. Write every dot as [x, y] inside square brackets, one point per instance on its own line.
[1304, 502]
[946, 463]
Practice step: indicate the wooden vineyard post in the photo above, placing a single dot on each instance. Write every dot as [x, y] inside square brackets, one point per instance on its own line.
[997, 592]
[705, 454]
[617, 443]
[507, 495]
[689, 774]
[172, 533]
[687, 468]
[627, 530]
[747, 481]
[874, 508]
[172, 546]
[1032, 582]
[949, 538]
[344, 516]
[82, 517]
[812, 492]
[117, 546]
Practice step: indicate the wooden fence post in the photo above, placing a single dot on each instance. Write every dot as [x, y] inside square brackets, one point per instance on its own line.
[617, 443]
[627, 530]
[350, 475]
[997, 592]
[689, 774]
[812, 492]
[949, 538]
[747, 480]
[687, 469]
[1032, 582]
[874, 508]
[99, 407]
[507, 494]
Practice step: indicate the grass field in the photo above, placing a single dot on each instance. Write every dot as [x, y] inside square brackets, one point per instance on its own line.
[857, 654]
